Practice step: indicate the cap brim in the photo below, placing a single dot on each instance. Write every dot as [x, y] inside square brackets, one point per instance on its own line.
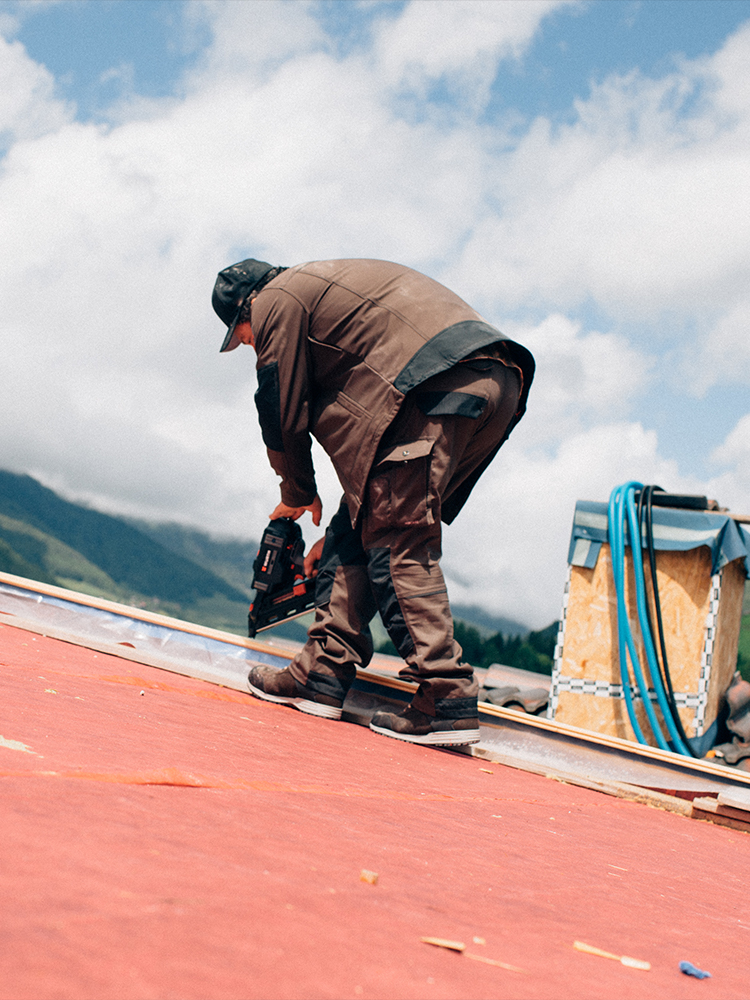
[231, 340]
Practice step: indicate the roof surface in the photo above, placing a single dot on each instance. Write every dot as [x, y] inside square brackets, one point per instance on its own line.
[168, 838]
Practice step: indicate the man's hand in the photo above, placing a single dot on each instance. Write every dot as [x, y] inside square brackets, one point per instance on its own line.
[313, 558]
[315, 508]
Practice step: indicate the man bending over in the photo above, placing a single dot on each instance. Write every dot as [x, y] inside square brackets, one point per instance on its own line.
[411, 393]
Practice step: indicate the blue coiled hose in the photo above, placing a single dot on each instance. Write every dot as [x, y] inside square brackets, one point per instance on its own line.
[626, 644]
[622, 508]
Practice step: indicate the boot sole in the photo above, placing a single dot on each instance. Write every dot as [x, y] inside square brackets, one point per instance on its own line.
[455, 738]
[301, 704]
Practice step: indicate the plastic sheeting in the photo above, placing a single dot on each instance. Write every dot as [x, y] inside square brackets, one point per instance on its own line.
[184, 652]
[673, 529]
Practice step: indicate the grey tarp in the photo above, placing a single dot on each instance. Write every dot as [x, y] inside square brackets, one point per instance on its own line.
[673, 529]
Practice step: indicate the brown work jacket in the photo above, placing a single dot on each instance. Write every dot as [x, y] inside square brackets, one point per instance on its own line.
[339, 344]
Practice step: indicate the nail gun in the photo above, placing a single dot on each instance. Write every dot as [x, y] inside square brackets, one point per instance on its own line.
[281, 590]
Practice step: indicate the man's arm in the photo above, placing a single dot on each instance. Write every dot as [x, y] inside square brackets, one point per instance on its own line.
[283, 399]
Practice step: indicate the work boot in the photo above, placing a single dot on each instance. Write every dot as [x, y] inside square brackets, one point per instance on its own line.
[279, 686]
[416, 727]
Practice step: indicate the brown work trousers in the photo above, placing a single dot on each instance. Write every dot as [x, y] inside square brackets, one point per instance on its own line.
[390, 562]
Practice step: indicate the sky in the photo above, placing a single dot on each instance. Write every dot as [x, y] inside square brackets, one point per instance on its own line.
[579, 172]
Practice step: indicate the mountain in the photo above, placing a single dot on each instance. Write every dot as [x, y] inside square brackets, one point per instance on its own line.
[53, 540]
[12, 562]
[124, 553]
[487, 624]
[229, 558]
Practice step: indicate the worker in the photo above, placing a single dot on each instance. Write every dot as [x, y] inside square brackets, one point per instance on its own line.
[411, 393]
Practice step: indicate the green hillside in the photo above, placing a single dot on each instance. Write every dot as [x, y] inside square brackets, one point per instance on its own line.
[48, 559]
[125, 554]
[11, 562]
[230, 558]
[46, 538]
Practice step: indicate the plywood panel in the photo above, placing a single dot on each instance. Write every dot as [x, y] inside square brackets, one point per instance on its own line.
[610, 715]
[590, 642]
[591, 623]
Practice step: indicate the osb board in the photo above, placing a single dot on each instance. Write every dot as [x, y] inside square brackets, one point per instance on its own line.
[609, 716]
[590, 644]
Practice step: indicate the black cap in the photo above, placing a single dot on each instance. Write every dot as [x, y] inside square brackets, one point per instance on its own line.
[232, 287]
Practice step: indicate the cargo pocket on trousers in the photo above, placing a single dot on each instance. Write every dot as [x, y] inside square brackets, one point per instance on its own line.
[399, 487]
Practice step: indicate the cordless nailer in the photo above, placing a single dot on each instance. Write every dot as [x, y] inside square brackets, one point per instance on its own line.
[281, 590]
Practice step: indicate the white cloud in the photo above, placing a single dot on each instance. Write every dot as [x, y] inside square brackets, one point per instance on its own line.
[736, 447]
[634, 205]
[580, 378]
[251, 40]
[732, 486]
[28, 105]
[461, 43]
[724, 353]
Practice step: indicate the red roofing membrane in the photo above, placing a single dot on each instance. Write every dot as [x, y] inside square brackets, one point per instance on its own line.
[167, 838]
